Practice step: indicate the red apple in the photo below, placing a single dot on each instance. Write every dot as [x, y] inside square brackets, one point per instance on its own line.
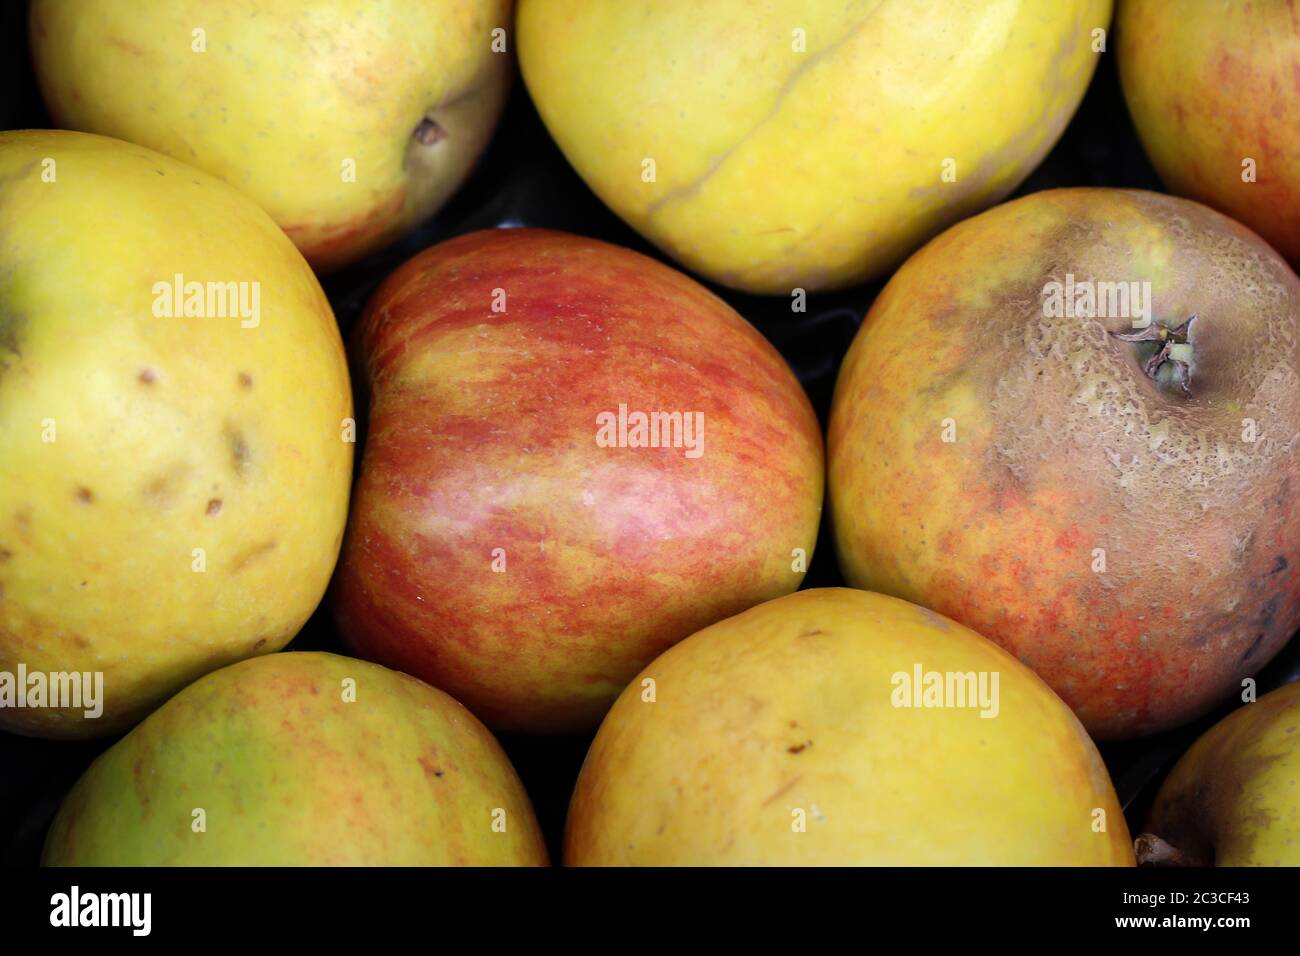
[520, 536]
[1214, 91]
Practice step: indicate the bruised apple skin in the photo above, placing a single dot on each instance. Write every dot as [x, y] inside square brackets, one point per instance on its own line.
[498, 547]
[1233, 799]
[173, 481]
[301, 759]
[788, 735]
[349, 121]
[804, 145]
[1211, 85]
[1136, 544]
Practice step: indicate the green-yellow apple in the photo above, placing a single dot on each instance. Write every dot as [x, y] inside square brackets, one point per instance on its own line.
[174, 404]
[804, 145]
[301, 760]
[836, 727]
[349, 121]
[1214, 91]
[1071, 424]
[576, 456]
[1234, 797]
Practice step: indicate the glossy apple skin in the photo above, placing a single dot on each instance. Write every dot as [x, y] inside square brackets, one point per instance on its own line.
[482, 436]
[286, 94]
[790, 706]
[1234, 797]
[1064, 448]
[800, 144]
[1210, 84]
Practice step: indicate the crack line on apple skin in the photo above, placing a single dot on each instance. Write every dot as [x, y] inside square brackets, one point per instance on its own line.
[694, 186]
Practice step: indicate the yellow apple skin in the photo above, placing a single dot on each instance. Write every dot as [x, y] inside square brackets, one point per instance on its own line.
[286, 93]
[1234, 797]
[789, 707]
[291, 772]
[1210, 85]
[129, 440]
[776, 169]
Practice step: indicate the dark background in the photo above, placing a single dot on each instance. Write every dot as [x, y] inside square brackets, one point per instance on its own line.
[525, 180]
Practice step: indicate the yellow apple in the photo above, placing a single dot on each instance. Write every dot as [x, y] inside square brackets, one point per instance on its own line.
[789, 144]
[798, 732]
[349, 121]
[173, 473]
[301, 760]
[1234, 797]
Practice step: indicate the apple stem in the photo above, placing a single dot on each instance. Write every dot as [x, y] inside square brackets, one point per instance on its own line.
[429, 132]
[1167, 337]
[1153, 851]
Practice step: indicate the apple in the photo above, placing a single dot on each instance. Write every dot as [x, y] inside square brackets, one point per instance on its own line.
[790, 145]
[1212, 90]
[348, 122]
[1070, 424]
[840, 727]
[576, 456]
[1232, 799]
[174, 402]
[301, 759]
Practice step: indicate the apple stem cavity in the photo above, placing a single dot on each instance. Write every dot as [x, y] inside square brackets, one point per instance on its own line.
[1175, 350]
[428, 132]
[1153, 851]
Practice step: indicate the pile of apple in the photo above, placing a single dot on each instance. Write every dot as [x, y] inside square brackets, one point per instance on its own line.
[590, 489]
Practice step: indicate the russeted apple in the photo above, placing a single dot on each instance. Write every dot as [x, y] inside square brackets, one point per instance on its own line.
[1234, 797]
[787, 144]
[1071, 424]
[174, 407]
[575, 457]
[301, 759]
[349, 122]
[839, 727]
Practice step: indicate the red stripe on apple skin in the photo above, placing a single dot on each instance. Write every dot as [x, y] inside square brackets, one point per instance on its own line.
[327, 245]
[483, 435]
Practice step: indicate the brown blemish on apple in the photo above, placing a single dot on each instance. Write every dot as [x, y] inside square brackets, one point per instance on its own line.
[239, 452]
[252, 554]
[245, 380]
[126, 45]
[430, 766]
[783, 789]
[798, 748]
[214, 508]
[11, 325]
[148, 376]
[85, 495]
[162, 489]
